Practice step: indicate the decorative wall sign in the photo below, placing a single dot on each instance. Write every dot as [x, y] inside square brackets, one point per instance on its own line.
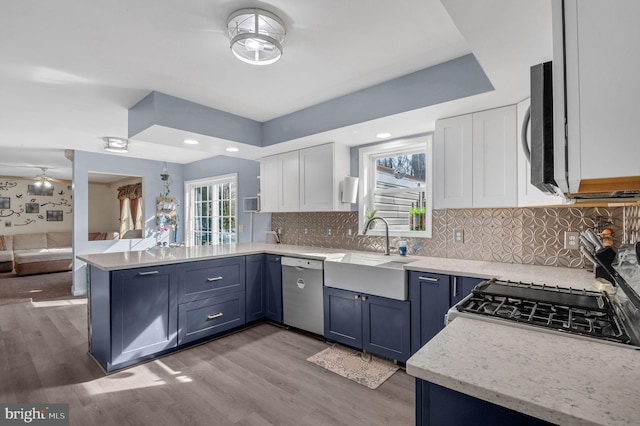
[54, 216]
[5, 203]
[4, 186]
[35, 190]
[32, 208]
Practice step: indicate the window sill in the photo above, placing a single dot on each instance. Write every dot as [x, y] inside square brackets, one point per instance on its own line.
[395, 233]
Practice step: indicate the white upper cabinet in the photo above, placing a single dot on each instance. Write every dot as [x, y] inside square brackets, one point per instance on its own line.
[304, 180]
[289, 186]
[529, 195]
[602, 65]
[494, 158]
[280, 182]
[453, 157]
[475, 157]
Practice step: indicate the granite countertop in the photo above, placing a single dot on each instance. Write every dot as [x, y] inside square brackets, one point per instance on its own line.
[564, 380]
[167, 255]
[549, 275]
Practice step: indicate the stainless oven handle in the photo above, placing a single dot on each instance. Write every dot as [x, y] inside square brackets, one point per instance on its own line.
[433, 280]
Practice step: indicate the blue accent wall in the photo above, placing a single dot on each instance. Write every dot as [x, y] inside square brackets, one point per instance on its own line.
[455, 79]
[164, 110]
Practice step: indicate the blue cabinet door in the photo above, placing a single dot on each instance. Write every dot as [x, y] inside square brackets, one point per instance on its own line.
[386, 327]
[273, 288]
[144, 311]
[440, 406]
[343, 317]
[461, 287]
[255, 291]
[430, 300]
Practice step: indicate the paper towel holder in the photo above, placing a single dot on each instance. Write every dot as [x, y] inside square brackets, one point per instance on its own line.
[349, 190]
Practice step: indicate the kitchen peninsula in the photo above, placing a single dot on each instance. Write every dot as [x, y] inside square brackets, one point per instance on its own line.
[556, 378]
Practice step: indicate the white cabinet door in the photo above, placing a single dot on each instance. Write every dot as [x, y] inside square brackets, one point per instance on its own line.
[317, 178]
[453, 163]
[280, 183]
[602, 68]
[528, 195]
[494, 158]
[290, 182]
[270, 184]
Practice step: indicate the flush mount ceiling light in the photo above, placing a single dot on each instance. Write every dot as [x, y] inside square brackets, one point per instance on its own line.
[191, 142]
[383, 135]
[232, 149]
[256, 36]
[113, 144]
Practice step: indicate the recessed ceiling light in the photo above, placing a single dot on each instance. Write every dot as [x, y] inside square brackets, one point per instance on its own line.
[191, 142]
[383, 135]
[232, 149]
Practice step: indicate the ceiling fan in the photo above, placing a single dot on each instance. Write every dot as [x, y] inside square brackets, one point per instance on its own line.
[43, 179]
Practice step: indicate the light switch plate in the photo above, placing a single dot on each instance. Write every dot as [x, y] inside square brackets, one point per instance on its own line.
[571, 240]
[458, 236]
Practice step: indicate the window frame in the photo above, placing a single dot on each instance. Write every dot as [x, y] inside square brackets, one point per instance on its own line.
[366, 183]
[189, 204]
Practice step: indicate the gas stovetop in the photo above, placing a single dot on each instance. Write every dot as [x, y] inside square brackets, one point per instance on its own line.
[581, 312]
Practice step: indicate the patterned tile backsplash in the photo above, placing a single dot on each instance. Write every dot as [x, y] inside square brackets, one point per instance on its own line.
[518, 235]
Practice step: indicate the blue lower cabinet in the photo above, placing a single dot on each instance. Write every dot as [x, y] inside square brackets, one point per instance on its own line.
[375, 324]
[440, 406]
[386, 327]
[431, 296]
[273, 288]
[207, 317]
[144, 317]
[343, 317]
[208, 278]
[254, 284]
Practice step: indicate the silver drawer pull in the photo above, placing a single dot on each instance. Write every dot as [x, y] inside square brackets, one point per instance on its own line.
[433, 280]
[214, 316]
[214, 279]
[149, 273]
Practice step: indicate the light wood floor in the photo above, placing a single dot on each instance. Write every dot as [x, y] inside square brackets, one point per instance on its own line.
[259, 376]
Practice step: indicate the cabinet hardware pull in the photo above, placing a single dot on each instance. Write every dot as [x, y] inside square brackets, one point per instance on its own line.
[455, 286]
[356, 297]
[364, 297]
[214, 279]
[433, 280]
[214, 316]
[149, 273]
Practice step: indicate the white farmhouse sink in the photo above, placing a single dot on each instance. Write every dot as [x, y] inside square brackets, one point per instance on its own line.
[374, 274]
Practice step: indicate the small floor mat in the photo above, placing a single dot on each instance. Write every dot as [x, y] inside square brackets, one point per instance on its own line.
[365, 369]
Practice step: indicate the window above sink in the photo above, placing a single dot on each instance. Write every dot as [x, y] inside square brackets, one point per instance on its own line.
[395, 176]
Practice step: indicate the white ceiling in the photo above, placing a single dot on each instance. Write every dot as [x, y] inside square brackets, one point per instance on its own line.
[71, 69]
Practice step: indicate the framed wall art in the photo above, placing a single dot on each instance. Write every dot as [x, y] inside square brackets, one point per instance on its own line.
[32, 208]
[54, 216]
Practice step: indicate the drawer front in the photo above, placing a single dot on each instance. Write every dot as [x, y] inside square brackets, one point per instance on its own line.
[208, 317]
[202, 280]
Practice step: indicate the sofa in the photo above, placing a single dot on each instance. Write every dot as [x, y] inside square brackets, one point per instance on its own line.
[37, 253]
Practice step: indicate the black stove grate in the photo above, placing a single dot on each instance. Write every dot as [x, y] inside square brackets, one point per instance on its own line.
[575, 311]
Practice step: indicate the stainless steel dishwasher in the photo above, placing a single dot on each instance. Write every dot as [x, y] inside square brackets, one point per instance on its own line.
[302, 300]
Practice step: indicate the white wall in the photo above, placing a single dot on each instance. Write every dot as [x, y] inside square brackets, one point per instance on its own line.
[103, 208]
[15, 219]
